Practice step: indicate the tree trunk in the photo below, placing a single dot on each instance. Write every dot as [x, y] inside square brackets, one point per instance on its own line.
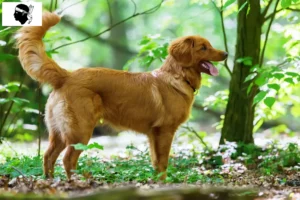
[239, 116]
[118, 35]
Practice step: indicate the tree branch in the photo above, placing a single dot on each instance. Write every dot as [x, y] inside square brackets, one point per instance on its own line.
[110, 13]
[207, 110]
[59, 12]
[267, 35]
[134, 4]
[190, 129]
[98, 39]
[224, 33]
[149, 11]
[294, 9]
[277, 11]
[266, 9]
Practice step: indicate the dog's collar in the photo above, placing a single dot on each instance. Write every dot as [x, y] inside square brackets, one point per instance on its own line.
[194, 89]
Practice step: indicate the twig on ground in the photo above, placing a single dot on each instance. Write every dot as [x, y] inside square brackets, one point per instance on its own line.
[19, 171]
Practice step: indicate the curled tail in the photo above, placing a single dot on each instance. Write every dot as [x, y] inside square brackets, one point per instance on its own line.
[32, 53]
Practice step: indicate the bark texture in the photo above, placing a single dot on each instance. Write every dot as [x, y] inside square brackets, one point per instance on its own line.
[239, 116]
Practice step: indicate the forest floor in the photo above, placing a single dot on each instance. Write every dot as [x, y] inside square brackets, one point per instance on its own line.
[269, 171]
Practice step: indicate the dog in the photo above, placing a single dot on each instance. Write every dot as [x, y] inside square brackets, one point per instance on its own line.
[153, 103]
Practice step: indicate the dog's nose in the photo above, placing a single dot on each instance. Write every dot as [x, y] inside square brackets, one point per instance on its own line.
[225, 54]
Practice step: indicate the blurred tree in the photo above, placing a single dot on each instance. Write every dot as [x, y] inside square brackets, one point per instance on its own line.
[118, 33]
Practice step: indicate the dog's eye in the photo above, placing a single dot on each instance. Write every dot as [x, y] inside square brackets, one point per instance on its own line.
[203, 48]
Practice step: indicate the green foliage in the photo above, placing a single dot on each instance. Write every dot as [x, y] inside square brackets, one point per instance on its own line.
[279, 158]
[4, 57]
[184, 167]
[152, 48]
[228, 3]
[275, 84]
[287, 3]
[94, 145]
[272, 77]
[11, 107]
[17, 166]
[246, 61]
[268, 160]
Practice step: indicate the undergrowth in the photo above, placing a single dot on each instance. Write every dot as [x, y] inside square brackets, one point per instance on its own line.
[189, 168]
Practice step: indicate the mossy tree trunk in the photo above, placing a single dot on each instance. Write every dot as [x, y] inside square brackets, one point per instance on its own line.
[239, 116]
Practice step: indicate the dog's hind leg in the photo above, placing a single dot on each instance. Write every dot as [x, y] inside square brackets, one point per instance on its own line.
[56, 146]
[71, 156]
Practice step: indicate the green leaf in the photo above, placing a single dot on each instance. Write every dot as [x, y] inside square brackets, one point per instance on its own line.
[19, 101]
[95, 145]
[269, 101]
[49, 53]
[260, 96]
[145, 40]
[261, 80]
[146, 61]
[278, 76]
[80, 146]
[228, 3]
[245, 60]
[249, 88]
[2, 88]
[241, 8]
[258, 125]
[293, 74]
[274, 86]
[255, 68]
[4, 56]
[12, 87]
[289, 80]
[286, 3]
[250, 77]
[295, 110]
[83, 147]
[31, 110]
[3, 100]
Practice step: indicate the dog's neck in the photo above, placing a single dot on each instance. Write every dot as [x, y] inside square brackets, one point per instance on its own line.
[189, 75]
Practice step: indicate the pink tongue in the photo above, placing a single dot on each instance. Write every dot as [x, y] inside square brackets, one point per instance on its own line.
[212, 69]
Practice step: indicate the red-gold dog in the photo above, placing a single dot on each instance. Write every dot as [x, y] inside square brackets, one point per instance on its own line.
[154, 103]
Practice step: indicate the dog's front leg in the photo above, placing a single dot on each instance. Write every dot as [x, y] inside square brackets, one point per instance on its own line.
[160, 141]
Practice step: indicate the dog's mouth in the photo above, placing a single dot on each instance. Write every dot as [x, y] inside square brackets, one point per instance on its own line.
[208, 68]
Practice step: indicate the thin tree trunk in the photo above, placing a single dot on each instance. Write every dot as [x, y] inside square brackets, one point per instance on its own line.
[239, 116]
[118, 34]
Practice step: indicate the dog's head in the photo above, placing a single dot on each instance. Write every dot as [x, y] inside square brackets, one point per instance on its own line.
[195, 51]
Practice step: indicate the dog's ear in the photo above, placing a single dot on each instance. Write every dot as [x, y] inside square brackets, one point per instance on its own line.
[181, 50]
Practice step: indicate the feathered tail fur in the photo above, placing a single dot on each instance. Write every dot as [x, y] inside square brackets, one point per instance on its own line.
[32, 53]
